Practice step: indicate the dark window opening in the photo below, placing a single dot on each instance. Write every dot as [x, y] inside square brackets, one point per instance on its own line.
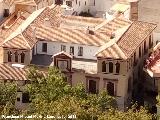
[6, 13]
[110, 67]
[80, 51]
[79, 3]
[16, 56]
[44, 47]
[94, 2]
[25, 97]
[150, 41]
[103, 66]
[140, 51]
[22, 57]
[135, 60]
[76, 1]
[145, 48]
[110, 88]
[92, 87]
[117, 67]
[72, 50]
[63, 48]
[9, 56]
[18, 99]
[85, 3]
[58, 2]
[69, 3]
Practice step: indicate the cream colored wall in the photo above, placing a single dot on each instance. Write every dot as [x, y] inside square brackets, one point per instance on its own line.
[27, 56]
[1, 55]
[123, 70]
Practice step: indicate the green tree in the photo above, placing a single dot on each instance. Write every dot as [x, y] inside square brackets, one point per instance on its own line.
[7, 98]
[51, 94]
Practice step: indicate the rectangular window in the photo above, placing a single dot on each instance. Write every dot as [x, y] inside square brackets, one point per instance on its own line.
[25, 97]
[135, 60]
[72, 50]
[80, 51]
[76, 1]
[145, 48]
[79, 3]
[150, 41]
[94, 2]
[44, 47]
[63, 48]
[92, 87]
[6, 13]
[140, 51]
[85, 3]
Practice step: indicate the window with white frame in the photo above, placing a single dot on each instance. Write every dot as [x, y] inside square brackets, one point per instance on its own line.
[63, 48]
[71, 50]
[80, 51]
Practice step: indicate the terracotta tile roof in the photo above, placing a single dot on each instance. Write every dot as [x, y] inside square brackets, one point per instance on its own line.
[8, 72]
[73, 29]
[129, 41]
[70, 36]
[136, 34]
[23, 37]
[6, 32]
[25, 2]
[17, 42]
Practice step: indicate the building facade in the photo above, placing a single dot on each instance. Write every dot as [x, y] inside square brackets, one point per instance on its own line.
[100, 53]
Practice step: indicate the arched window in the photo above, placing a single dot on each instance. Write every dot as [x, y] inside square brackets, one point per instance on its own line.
[22, 57]
[16, 56]
[110, 88]
[9, 56]
[103, 66]
[110, 67]
[117, 67]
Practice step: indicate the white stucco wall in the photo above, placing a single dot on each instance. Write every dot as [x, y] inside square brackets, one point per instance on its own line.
[55, 47]
[1, 11]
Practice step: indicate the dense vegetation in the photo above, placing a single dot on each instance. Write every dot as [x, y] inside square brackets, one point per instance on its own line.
[51, 95]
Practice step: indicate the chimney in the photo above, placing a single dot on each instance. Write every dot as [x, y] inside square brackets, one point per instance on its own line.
[133, 10]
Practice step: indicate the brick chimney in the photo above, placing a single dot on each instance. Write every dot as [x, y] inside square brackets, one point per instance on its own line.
[133, 10]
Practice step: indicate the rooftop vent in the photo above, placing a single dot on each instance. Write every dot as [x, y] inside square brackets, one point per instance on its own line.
[112, 36]
[89, 31]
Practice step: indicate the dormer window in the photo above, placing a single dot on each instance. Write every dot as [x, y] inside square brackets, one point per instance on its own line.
[9, 56]
[63, 61]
